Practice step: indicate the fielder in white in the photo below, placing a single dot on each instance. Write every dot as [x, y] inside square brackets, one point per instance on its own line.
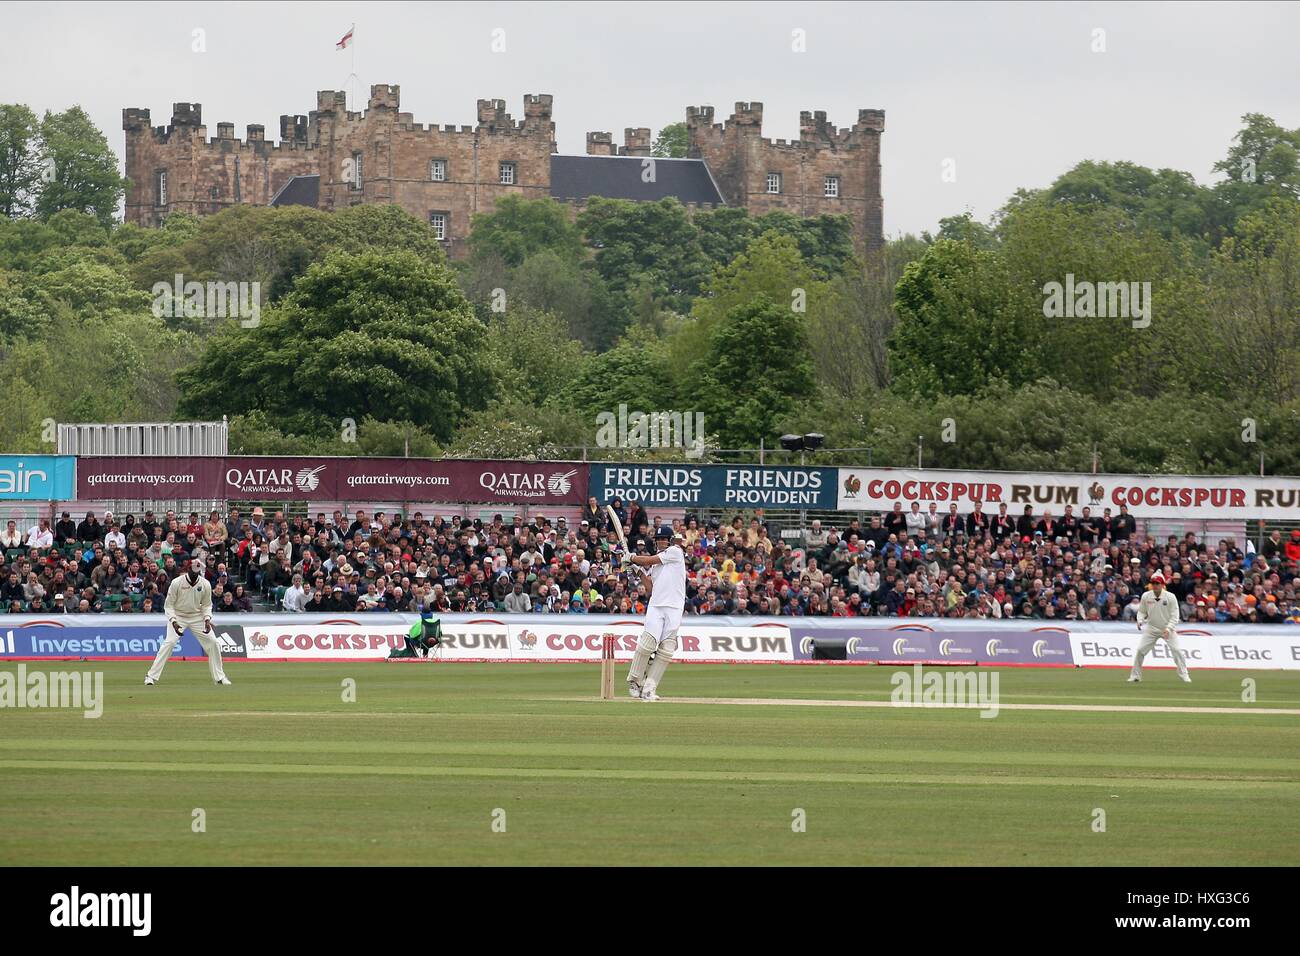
[663, 616]
[1157, 615]
[189, 604]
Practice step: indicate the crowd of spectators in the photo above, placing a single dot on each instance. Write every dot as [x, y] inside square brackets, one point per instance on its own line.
[905, 563]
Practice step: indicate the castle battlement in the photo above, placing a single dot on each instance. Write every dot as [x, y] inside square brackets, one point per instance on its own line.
[447, 173]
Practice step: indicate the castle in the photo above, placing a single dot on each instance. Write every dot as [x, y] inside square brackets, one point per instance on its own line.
[336, 158]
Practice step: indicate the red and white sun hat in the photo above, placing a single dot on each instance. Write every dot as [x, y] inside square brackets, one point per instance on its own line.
[1159, 576]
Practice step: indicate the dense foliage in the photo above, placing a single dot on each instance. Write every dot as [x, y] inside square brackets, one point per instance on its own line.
[765, 324]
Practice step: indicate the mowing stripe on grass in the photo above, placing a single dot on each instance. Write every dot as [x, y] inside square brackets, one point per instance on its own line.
[1235, 784]
[681, 750]
[805, 702]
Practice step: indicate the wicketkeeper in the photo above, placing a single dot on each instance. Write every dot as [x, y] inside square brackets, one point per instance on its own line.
[189, 604]
[424, 636]
[1157, 617]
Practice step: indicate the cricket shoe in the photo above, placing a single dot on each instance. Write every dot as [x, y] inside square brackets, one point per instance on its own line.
[648, 692]
[224, 680]
[1134, 680]
[149, 682]
[633, 690]
[1184, 678]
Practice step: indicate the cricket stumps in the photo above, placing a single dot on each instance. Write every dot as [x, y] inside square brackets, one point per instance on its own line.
[607, 667]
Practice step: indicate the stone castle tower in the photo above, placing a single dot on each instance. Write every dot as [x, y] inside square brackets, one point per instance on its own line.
[333, 158]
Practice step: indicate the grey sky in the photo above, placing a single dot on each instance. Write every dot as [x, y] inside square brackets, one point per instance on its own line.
[1011, 92]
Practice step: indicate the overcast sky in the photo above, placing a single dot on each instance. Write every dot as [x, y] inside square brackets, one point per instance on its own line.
[1012, 92]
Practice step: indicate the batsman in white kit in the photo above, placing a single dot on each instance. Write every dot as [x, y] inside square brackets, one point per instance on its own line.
[189, 604]
[663, 616]
[1157, 616]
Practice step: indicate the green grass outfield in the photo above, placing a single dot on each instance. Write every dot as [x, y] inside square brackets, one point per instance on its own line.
[413, 772]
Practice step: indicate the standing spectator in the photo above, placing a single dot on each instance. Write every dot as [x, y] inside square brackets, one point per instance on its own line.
[915, 521]
[953, 524]
[114, 539]
[1069, 523]
[933, 522]
[1123, 526]
[1003, 525]
[896, 521]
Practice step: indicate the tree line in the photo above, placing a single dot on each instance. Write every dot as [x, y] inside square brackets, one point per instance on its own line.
[764, 324]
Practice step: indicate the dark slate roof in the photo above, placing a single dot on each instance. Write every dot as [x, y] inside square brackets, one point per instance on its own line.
[299, 191]
[619, 177]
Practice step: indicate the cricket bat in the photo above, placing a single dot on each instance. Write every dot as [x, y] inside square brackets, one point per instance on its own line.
[617, 525]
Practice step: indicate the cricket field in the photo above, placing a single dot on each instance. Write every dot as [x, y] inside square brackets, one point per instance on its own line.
[473, 764]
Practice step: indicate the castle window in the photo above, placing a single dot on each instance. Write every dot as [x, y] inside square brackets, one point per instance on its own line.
[214, 192]
[507, 174]
[438, 220]
[438, 170]
[831, 187]
[774, 182]
[162, 187]
[356, 170]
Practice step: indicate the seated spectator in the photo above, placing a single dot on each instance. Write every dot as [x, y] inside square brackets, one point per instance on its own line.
[40, 536]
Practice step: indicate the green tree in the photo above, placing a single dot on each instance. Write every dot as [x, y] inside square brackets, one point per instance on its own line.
[533, 354]
[653, 242]
[20, 168]
[771, 267]
[825, 242]
[1264, 153]
[386, 336]
[960, 323]
[671, 142]
[84, 167]
[1165, 201]
[635, 371]
[756, 369]
[274, 246]
[518, 228]
[512, 429]
[549, 282]
[850, 327]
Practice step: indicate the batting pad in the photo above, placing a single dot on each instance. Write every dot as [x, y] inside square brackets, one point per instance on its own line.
[663, 657]
[645, 646]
